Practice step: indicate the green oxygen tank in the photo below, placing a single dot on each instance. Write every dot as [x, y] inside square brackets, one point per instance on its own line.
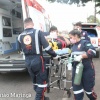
[78, 73]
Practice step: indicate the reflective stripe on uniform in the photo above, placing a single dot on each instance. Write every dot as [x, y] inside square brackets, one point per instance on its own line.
[37, 42]
[19, 38]
[93, 51]
[79, 91]
[82, 37]
[78, 53]
[24, 33]
[41, 85]
[88, 92]
[47, 48]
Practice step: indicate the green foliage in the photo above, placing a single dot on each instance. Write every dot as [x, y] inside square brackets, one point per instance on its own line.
[98, 12]
[77, 2]
[51, 0]
[69, 1]
[91, 19]
[98, 5]
[97, 0]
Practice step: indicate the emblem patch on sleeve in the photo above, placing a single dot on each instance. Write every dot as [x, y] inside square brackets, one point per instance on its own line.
[88, 44]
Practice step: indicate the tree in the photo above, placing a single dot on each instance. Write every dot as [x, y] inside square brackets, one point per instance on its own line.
[91, 18]
[97, 2]
[70, 1]
[98, 6]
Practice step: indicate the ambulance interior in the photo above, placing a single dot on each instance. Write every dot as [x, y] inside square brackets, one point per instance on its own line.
[90, 30]
[11, 25]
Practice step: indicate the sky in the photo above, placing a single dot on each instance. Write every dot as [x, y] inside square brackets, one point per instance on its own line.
[63, 15]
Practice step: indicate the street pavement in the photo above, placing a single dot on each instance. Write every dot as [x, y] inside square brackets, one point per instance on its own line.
[18, 86]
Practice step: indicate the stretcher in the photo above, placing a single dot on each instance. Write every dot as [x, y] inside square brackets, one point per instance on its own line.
[59, 68]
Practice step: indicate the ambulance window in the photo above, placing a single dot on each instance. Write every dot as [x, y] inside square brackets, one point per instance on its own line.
[13, 12]
[89, 26]
[91, 32]
[18, 15]
[7, 32]
[6, 21]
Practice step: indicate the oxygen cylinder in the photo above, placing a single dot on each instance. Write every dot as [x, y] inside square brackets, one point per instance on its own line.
[78, 73]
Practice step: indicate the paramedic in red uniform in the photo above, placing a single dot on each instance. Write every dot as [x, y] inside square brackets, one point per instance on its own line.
[32, 42]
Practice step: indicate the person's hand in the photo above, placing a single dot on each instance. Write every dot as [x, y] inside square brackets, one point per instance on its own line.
[78, 58]
[21, 53]
[69, 65]
[56, 57]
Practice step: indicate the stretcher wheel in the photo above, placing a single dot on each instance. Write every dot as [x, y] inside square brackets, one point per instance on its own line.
[57, 68]
[68, 93]
[48, 89]
[46, 98]
[97, 54]
[58, 83]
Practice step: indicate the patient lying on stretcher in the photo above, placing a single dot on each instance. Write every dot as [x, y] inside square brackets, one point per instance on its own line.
[59, 45]
[58, 41]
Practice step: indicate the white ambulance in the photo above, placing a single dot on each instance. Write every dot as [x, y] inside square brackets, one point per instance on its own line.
[93, 31]
[12, 14]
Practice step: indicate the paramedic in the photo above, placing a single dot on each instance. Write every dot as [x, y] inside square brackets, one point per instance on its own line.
[84, 34]
[32, 41]
[84, 51]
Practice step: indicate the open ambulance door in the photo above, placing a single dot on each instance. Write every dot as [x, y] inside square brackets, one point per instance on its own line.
[31, 8]
[11, 25]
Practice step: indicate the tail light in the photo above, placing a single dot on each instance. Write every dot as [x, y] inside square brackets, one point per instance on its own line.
[99, 42]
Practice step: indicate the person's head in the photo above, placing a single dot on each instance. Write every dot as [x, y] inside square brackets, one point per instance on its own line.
[75, 36]
[28, 23]
[53, 32]
[53, 29]
[78, 26]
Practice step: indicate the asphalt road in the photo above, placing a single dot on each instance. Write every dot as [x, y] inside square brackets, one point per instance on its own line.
[18, 86]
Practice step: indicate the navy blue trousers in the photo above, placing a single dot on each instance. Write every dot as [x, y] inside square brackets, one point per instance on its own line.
[87, 84]
[38, 74]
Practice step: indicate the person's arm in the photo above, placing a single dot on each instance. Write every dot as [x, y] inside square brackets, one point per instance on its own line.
[19, 44]
[67, 41]
[85, 34]
[46, 33]
[90, 50]
[46, 45]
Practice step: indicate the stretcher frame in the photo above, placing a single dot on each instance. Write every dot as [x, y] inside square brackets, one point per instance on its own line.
[62, 75]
